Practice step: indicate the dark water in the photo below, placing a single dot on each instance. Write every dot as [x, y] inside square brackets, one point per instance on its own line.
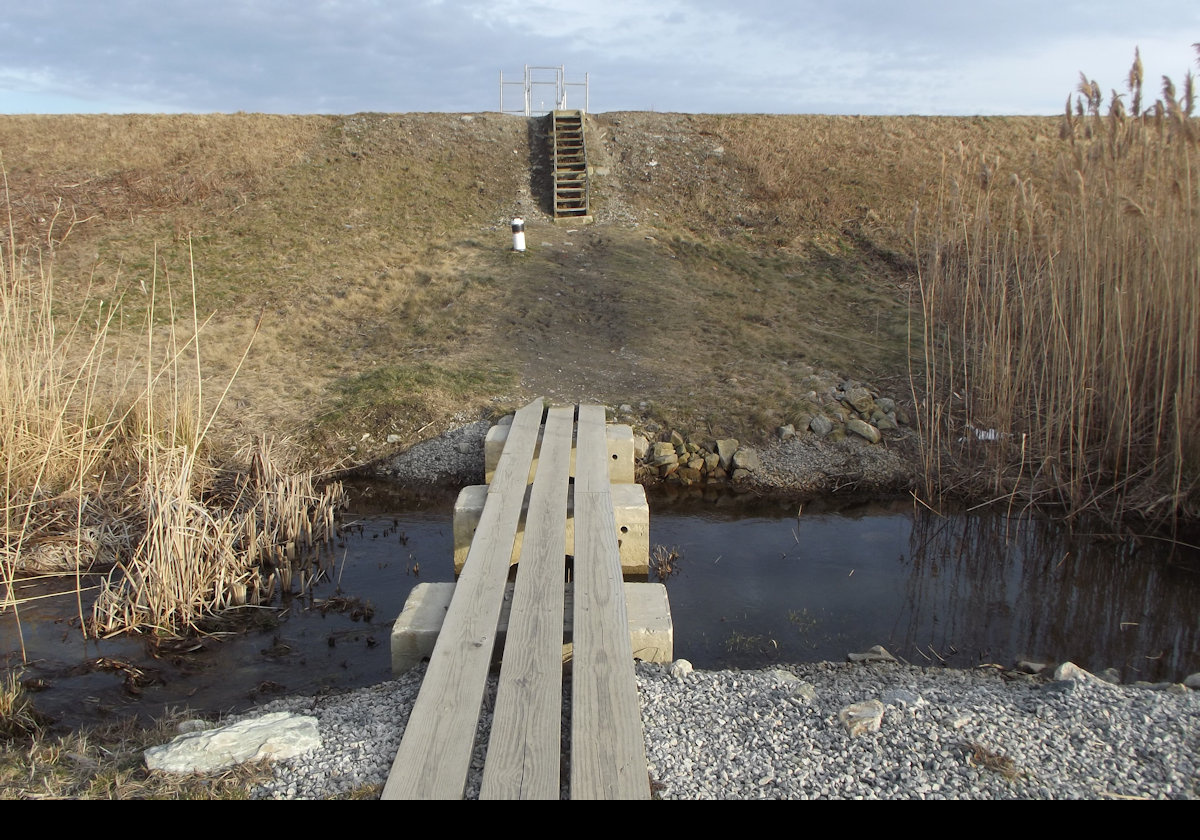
[765, 584]
[754, 584]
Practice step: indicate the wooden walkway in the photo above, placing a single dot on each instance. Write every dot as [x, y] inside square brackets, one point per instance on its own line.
[524, 752]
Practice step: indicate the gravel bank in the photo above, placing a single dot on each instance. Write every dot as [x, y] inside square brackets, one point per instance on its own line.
[776, 734]
[804, 465]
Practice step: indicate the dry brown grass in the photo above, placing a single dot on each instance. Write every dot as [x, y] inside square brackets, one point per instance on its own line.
[1063, 314]
[823, 179]
[139, 165]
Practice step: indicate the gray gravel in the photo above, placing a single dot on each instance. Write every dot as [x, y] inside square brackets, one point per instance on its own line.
[454, 458]
[945, 734]
[809, 465]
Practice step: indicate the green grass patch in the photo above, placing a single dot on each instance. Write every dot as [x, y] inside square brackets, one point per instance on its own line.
[399, 399]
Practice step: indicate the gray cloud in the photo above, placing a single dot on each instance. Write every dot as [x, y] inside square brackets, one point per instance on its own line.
[854, 56]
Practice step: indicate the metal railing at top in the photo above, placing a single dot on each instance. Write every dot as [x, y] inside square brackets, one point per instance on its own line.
[539, 82]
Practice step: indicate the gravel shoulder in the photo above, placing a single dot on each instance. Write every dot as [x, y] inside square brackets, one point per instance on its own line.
[776, 734]
[800, 466]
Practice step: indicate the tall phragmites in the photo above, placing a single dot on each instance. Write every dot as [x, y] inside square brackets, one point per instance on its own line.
[1062, 336]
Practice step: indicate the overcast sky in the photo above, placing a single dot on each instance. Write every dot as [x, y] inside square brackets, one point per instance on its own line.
[774, 56]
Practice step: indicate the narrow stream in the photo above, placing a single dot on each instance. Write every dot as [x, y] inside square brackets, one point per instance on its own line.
[754, 583]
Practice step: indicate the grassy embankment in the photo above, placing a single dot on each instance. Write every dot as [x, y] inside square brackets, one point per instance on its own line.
[742, 254]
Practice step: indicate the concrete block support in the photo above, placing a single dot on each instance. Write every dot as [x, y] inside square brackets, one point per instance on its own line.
[630, 510]
[416, 630]
[620, 453]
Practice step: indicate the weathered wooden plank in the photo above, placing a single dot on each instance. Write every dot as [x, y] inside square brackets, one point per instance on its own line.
[608, 756]
[524, 750]
[435, 752]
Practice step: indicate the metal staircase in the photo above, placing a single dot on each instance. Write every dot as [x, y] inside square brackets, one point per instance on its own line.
[569, 164]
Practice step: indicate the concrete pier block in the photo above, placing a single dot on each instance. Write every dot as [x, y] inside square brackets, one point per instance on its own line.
[416, 630]
[631, 512]
[620, 453]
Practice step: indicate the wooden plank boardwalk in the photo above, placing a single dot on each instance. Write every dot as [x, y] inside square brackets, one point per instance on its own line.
[524, 752]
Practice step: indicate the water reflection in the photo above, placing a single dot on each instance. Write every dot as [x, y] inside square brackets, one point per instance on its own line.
[1030, 588]
[761, 585]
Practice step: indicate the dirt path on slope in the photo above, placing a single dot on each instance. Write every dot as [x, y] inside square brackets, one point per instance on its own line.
[579, 328]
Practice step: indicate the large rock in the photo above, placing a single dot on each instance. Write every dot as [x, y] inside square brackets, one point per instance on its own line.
[640, 447]
[273, 736]
[878, 653]
[820, 425]
[1071, 671]
[863, 430]
[726, 447]
[680, 668]
[860, 399]
[746, 459]
[662, 454]
[860, 718]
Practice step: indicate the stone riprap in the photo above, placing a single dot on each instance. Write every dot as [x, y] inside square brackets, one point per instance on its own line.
[845, 438]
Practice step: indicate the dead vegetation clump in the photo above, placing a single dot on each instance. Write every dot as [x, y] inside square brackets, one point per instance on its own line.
[980, 756]
[18, 717]
[664, 562]
[202, 553]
